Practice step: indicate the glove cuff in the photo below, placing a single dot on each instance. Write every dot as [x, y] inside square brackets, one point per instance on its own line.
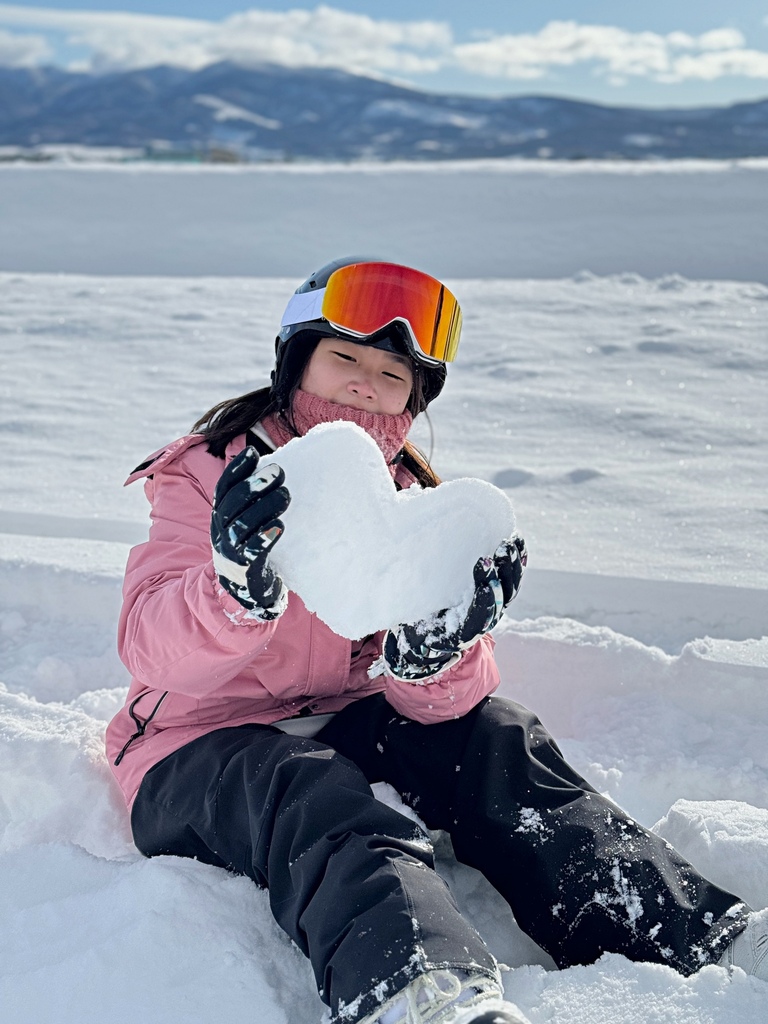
[253, 609]
[400, 662]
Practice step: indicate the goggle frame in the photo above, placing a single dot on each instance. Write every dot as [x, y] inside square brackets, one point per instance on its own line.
[306, 307]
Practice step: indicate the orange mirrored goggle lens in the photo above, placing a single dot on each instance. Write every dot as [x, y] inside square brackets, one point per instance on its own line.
[364, 297]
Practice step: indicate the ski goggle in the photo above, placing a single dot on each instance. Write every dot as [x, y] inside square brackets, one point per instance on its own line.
[362, 298]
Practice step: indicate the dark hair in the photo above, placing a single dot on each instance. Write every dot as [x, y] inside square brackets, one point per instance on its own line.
[234, 416]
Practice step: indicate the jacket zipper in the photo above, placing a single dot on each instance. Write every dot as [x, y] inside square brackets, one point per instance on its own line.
[141, 725]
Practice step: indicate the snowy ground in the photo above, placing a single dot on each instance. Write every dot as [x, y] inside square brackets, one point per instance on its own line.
[624, 417]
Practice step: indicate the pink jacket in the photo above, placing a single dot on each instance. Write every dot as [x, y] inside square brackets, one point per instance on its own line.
[199, 665]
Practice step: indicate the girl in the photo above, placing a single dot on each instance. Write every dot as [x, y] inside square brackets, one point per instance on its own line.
[251, 732]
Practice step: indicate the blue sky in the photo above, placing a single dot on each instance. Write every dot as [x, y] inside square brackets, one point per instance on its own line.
[655, 53]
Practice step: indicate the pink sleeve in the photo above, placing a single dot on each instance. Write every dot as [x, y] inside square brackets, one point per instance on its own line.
[179, 629]
[454, 692]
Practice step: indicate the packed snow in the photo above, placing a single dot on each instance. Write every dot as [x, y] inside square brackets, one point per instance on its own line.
[419, 546]
[624, 417]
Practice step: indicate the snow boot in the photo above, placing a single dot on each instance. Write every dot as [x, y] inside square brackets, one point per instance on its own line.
[749, 950]
[447, 997]
[504, 1015]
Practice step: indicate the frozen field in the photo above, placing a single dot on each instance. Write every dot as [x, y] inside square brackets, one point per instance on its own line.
[484, 219]
[624, 415]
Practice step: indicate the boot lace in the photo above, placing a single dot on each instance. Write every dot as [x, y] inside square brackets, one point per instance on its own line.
[437, 997]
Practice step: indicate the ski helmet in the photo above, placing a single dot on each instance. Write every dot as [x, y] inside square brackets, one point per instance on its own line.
[304, 324]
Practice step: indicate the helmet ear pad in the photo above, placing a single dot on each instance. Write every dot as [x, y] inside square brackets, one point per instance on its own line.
[432, 383]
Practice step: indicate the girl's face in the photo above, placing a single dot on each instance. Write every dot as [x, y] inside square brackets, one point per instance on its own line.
[359, 376]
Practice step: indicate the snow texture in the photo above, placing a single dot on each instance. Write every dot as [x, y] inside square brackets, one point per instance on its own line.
[347, 523]
[625, 415]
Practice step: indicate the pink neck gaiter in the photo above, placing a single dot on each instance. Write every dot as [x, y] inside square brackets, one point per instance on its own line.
[307, 411]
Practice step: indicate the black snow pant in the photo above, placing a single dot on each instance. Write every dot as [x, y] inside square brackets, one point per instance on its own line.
[352, 881]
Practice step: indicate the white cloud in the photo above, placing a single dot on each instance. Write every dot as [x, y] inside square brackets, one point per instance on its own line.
[709, 66]
[119, 39]
[18, 51]
[721, 39]
[558, 44]
[328, 37]
[323, 37]
[613, 51]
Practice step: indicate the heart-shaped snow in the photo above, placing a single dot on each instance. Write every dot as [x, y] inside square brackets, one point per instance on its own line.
[362, 555]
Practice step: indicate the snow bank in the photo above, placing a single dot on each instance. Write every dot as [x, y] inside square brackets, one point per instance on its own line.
[615, 992]
[156, 941]
[55, 783]
[727, 840]
[645, 727]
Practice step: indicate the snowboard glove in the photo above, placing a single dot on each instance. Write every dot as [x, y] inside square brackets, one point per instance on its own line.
[245, 526]
[414, 652]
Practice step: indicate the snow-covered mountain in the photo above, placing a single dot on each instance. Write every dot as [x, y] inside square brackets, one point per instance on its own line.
[273, 112]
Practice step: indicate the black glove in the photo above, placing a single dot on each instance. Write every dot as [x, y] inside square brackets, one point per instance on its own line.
[245, 526]
[418, 650]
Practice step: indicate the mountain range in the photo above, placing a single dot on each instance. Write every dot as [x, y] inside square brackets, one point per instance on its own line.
[269, 112]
